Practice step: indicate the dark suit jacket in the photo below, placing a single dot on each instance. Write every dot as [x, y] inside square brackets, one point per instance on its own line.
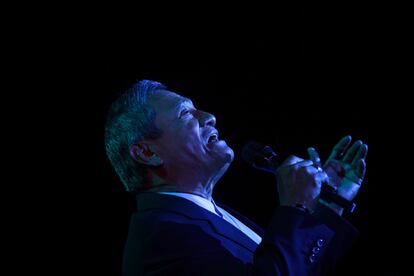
[169, 235]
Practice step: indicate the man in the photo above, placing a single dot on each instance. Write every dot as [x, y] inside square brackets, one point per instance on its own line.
[170, 154]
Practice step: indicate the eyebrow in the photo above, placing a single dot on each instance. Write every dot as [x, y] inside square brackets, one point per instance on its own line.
[184, 100]
[180, 103]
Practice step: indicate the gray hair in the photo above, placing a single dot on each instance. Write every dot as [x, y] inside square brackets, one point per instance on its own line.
[130, 119]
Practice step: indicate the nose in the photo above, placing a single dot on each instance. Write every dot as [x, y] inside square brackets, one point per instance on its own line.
[207, 119]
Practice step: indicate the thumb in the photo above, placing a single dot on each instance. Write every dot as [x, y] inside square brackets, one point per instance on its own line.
[314, 156]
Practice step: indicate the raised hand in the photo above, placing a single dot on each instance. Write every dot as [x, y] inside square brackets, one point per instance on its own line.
[346, 167]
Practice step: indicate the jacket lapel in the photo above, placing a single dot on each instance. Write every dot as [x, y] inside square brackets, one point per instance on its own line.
[146, 201]
[257, 229]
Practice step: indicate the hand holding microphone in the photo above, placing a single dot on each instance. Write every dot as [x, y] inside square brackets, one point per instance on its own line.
[299, 182]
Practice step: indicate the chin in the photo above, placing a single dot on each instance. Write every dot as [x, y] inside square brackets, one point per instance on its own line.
[229, 155]
[224, 153]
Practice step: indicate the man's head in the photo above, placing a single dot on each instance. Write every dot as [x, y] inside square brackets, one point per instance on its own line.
[157, 138]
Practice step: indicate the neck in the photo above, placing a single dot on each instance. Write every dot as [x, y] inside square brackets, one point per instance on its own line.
[183, 183]
[195, 188]
[188, 181]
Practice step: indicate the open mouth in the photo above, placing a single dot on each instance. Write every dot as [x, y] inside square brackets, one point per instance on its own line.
[213, 138]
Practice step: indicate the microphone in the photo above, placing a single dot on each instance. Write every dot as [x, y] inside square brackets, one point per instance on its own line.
[264, 158]
[260, 157]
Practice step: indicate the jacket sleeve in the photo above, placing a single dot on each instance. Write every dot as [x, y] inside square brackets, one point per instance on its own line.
[295, 243]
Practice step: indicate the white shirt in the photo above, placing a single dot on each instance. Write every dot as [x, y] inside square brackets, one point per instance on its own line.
[211, 207]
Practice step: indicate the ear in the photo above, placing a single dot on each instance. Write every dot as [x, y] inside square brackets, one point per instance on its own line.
[143, 153]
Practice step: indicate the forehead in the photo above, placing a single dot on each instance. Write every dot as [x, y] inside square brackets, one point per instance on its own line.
[164, 100]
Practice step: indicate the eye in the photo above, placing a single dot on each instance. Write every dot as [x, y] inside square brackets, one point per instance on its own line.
[184, 112]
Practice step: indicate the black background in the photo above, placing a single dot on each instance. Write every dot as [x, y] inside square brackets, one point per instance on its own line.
[290, 76]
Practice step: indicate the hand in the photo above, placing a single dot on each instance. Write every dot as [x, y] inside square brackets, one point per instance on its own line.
[299, 182]
[346, 167]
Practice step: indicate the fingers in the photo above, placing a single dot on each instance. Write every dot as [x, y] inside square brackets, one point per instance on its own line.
[340, 148]
[295, 163]
[316, 169]
[352, 152]
[361, 154]
[314, 156]
[361, 168]
[291, 160]
[304, 163]
[321, 177]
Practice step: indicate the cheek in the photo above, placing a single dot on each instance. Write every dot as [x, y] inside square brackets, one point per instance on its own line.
[190, 131]
[183, 138]
[184, 128]
[193, 124]
[192, 137]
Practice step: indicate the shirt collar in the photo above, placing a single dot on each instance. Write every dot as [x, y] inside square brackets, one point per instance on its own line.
[199, 200]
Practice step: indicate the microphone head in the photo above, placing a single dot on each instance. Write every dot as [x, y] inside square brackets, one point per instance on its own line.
[260, 156]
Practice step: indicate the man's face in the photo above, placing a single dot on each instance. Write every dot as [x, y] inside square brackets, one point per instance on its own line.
[189, 138]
